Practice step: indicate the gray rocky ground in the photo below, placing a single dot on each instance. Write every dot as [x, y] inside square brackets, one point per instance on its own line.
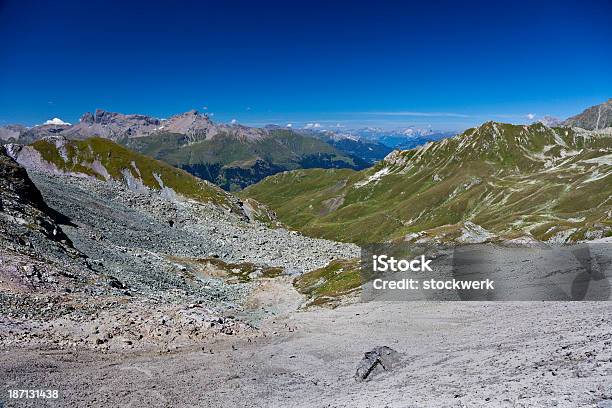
[147, 325]
[150, 256]
[453, 355]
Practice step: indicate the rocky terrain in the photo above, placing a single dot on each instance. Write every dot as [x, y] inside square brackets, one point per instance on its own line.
[133, 268]
[102, 159]
[593, 118]
[450, 354]
[37, 256]
[124, 281]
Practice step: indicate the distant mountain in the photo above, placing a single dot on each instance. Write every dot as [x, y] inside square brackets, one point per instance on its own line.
[237, 157]
[29, 135]
[551, 121]
[356, 147]
[496, 180]
[11, 132]
[232, 156]
[119, 127]
[402, 139]
[593, 118]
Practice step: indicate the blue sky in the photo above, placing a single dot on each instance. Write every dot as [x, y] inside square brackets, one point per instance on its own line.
[447, 64]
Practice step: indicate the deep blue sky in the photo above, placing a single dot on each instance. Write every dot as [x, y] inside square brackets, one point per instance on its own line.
[446, 63]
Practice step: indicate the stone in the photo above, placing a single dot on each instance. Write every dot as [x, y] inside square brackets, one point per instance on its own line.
[378, 360]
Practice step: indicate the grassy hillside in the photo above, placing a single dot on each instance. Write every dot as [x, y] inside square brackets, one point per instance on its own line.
[330, 285]
[233, 162]
[104, 159]
[553, 184]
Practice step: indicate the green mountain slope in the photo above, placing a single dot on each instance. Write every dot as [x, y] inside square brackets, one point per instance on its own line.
[234, 162]
[551, 184]
[104, 159]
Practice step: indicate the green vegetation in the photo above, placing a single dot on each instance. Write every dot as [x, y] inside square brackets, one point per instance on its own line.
[327, 286]
[232, 272]
[512, 180]
[102, 158]
[233, 162]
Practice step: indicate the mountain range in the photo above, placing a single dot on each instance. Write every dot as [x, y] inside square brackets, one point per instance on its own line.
[496, 181]
[106, 248]
[231, 156]
[401, 139]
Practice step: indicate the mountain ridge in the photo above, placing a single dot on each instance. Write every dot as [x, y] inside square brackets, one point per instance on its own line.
[105, 160]
[593, 118]
[550, 184]
[231, 156]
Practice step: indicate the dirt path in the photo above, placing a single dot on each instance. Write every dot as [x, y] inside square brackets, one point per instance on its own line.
[454, 354]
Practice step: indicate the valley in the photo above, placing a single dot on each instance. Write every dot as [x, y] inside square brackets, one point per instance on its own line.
[126, 280]
[345, 204]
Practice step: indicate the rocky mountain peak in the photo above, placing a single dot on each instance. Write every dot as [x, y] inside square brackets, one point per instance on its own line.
[102, 116]
[593, 118]
[87, 117]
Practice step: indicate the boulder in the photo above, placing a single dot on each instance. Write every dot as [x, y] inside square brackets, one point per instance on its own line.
[378, 360]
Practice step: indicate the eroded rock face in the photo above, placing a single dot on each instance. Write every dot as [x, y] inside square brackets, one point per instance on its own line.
[15, 184]
[35, 254]
[376, 361]
[22, 204]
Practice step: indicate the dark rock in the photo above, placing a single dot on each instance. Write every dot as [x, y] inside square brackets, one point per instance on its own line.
[87, 117]
[376, 361]
[116, 283]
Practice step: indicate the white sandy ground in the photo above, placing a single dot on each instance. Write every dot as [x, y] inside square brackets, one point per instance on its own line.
[455, 354]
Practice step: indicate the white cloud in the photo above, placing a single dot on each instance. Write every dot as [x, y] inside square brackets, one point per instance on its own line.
[312, 126]
[56, 121]
[531, 116]
[289, 125]
[233, 121]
